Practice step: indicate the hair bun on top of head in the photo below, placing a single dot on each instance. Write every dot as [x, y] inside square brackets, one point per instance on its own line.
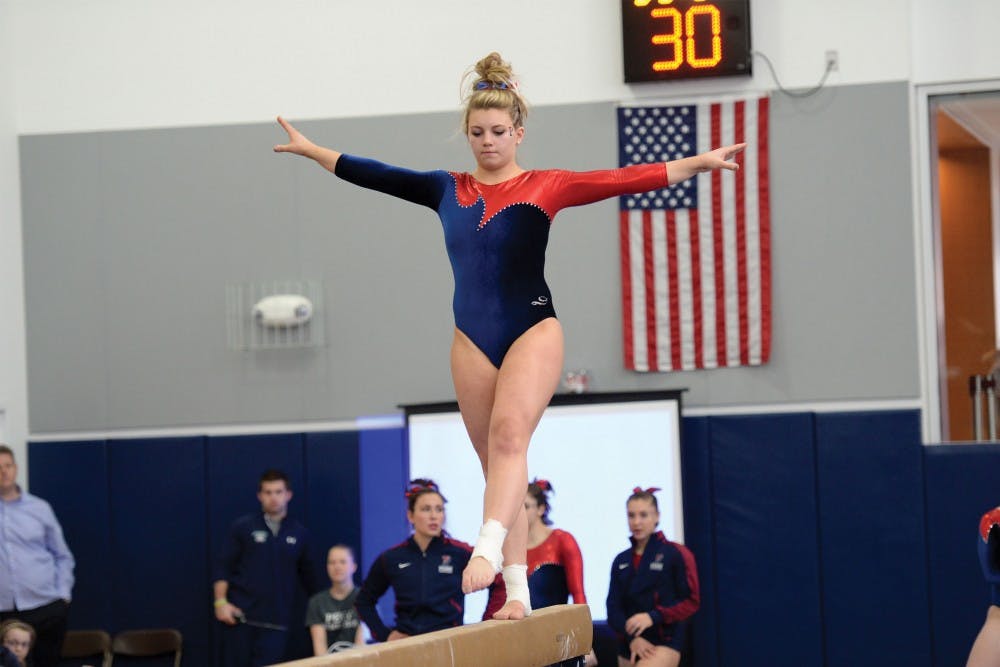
[639, 490]
[422, 485]
[493, 72]
[493, 86]
[543, 484]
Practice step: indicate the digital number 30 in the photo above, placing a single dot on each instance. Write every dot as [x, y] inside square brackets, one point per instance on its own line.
[682, 38]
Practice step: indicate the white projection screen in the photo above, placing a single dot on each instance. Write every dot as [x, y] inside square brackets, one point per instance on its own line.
[593, 448]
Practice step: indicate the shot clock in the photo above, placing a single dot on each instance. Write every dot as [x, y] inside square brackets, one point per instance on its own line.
[665, 40]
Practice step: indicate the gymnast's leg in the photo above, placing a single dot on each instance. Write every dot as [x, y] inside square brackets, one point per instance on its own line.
[986, 649]
[660, 656]
[520, 393]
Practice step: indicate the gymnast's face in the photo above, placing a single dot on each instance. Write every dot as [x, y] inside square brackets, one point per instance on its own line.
[493, 138]
[533, 510]
[642, 519]
[427, 515]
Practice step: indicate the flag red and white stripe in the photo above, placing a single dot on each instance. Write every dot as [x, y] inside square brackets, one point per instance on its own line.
[696, 274]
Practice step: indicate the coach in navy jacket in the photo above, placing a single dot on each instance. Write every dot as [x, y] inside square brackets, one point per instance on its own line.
[265, 557]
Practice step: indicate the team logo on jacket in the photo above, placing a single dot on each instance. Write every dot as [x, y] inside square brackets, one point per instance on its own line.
[259, 536]
[446, 567]
[291, 539]
[657, 563]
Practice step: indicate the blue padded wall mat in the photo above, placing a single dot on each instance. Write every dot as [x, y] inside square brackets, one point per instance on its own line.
[159, 539]
[73, 477]
[333, 509]
[767, 551]
[874, 569]
[696, 480]
[384, 465]
[961, 483]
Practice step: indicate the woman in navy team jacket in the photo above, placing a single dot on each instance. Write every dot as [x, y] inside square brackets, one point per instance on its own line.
[425, 572]
[653, 590]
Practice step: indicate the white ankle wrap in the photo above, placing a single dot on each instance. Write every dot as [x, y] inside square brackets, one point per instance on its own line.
[515, 578]
[490, 544]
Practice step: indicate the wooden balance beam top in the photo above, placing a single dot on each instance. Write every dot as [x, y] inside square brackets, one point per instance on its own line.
[547, 636]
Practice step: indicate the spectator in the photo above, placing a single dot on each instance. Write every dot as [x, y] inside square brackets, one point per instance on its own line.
[331, 617]
[36, 566]
[17, 638]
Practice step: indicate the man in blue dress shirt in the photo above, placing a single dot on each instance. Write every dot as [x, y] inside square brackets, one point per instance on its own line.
[36, 566]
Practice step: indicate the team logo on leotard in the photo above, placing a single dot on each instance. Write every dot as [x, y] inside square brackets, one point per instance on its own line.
[540, 301]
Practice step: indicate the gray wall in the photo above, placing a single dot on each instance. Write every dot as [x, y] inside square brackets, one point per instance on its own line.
[131, 238]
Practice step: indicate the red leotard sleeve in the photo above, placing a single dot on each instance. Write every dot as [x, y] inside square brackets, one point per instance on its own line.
[572, 561]
[572, 188]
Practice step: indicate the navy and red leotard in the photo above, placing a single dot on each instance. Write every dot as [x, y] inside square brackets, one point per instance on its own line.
[496, 235]
[555, 571]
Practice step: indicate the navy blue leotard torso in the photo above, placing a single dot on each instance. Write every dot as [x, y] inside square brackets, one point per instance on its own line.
[496, 235]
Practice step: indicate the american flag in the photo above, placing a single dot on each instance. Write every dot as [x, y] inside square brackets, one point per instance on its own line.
[696, 256]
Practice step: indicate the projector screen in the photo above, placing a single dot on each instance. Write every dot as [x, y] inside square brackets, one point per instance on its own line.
[593, 448]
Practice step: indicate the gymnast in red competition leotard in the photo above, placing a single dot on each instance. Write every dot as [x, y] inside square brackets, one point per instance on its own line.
[507, 352]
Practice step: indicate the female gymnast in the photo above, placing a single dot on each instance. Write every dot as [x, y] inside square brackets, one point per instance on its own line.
[986, 649]
[507, 352]
[555, 564]
[653, 590]
[425, 572]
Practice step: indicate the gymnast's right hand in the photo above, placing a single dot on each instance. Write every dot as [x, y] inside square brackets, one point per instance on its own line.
[297, 142]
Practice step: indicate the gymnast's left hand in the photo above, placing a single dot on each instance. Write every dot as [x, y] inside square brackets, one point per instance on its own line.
[637, 624]
[396, 634]
[721, 158]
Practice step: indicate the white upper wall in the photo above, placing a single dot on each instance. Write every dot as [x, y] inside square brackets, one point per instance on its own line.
[955, 41]
[121, 64]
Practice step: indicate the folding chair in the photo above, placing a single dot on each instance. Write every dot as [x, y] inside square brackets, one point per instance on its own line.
[149, 643]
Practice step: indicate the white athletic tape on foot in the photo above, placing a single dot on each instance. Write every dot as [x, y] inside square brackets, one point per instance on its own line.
[515, 578]
[490, 543]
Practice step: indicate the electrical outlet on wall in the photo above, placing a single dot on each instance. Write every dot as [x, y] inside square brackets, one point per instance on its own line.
[832, 61]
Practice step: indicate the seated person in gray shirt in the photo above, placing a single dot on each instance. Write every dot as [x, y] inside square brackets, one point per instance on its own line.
[331, 618]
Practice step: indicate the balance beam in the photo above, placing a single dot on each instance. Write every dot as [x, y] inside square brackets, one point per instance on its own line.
[547, 636]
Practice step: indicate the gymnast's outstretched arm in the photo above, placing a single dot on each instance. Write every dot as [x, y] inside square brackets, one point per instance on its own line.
[720, 158]
[298, 144]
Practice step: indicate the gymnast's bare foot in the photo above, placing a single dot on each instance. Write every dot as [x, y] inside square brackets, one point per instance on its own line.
[478, 575]
[512, 610]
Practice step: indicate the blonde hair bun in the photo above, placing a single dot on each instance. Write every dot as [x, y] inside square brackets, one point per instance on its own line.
[494, 86]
